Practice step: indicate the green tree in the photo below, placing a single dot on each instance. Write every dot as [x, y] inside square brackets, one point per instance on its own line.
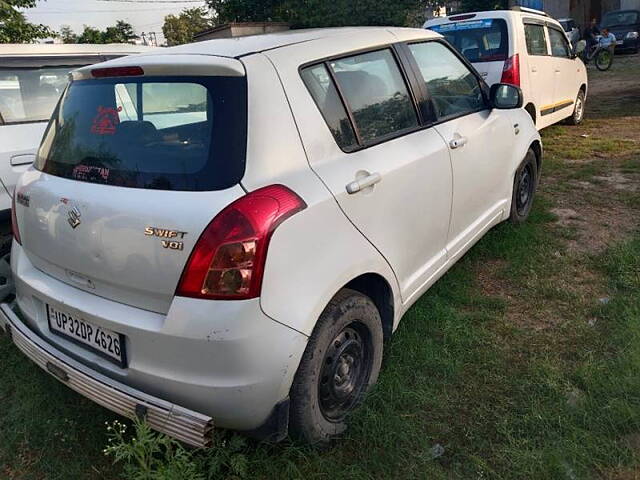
[179, 29]
[122, 32]
[91, 35]
[321, 13]
[67, 35]
[14, 27]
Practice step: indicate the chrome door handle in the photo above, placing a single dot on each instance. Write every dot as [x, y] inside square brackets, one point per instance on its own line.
[458, 142]
[361, 184]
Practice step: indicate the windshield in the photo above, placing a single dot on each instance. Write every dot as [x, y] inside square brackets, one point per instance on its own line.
[30, 94]
[616, 19]
[478, 40]
[153, 132]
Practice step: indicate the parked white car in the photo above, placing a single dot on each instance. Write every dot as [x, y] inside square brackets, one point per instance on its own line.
[241, 265]
[527, 48]
[32, 77]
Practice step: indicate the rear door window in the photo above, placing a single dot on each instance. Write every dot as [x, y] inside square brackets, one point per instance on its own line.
[159, 133]
[376, 94]
[453, 88]
[485, 40]
[536, 39]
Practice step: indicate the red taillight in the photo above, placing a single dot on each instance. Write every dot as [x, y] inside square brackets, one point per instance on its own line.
[511, 71]
[14, 220]
[117, 72]
[228, 260]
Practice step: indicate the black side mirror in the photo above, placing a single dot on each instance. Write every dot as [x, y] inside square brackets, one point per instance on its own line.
[505, 96]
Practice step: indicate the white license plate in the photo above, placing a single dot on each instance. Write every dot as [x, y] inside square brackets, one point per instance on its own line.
[619, 42]
[106, 342]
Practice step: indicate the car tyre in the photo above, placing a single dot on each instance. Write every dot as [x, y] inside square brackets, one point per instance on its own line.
[7, 287]
[578, 110]
[525, 184]
[341, 362]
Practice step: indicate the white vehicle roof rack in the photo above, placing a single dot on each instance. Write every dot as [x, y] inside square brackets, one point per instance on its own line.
[529, 10]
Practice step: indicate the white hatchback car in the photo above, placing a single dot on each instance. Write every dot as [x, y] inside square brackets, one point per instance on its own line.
[32, 77]
[227, 231]
[527, 48]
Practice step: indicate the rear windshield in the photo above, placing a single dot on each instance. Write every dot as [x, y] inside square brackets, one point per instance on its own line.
[620, 19]
[153, 132]
[483, 40]
[30, 94]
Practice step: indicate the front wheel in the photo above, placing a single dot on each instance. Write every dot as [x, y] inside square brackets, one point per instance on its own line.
[341, 361]
[604, 59]
[524, 188]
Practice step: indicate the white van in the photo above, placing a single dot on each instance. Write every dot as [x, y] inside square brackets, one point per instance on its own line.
[527, 48]
[32, 77]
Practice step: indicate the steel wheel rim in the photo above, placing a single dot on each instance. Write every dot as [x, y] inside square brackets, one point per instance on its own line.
[345, 371]
[579, 109]
[524, 190]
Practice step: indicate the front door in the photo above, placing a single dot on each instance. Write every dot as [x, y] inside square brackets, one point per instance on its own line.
[391, 178]
[475, 136]
[564, 74]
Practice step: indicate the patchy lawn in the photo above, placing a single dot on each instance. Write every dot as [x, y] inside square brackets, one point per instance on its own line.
[522, 362]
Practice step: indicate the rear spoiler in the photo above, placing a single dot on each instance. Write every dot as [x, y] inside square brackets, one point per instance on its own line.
[165, 65]
[529, 10]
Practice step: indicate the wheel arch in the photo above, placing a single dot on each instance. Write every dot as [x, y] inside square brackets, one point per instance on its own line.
[378, 289]
[531, 110]
[536, 146]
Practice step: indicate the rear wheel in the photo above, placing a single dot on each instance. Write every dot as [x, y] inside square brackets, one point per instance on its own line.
[578, 110]
[524, 188]
[604, 59]
[341, 361]
[7, 288]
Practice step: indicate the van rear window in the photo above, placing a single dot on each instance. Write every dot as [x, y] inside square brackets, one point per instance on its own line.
[484, 40]
[152, 132]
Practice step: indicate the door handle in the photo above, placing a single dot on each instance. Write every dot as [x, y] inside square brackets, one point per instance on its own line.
[534, 69]
[557, 71]
[362, 183]
[458, 142]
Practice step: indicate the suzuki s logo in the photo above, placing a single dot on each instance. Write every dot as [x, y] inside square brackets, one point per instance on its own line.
[74, 217]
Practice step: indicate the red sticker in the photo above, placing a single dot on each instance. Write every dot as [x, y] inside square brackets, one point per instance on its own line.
[105, 121]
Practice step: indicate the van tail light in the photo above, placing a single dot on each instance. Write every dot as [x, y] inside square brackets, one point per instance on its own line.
[227, 262]
[14, 220]
[511, 71]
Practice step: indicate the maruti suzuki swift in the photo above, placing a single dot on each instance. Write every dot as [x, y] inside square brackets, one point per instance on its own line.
[224, 234]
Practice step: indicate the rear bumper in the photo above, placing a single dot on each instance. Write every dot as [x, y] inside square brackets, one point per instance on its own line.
[226, 360]
[181, 423]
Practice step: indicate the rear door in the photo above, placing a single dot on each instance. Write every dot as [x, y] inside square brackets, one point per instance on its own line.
[476, 139]
[540, 71]
[564, 73]
[130, 172]
[392, 178]
[484, 42]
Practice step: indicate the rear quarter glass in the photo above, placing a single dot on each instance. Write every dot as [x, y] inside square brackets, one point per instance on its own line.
[165, 133]
[480, 40]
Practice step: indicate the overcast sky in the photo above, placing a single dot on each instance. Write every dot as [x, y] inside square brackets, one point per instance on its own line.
[145, 17]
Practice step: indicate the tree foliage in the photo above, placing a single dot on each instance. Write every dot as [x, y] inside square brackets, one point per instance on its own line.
[121, 32]
[179, 29]
[480, 5]
[14, 27]
[320, 13]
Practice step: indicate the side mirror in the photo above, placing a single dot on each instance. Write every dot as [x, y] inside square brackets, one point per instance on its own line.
[580, 46]
[504, 96]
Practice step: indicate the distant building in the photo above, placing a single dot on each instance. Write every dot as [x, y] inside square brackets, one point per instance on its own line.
[238, 29]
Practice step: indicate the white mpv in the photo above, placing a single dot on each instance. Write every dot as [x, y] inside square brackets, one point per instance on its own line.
[225, 233]
[527, 48]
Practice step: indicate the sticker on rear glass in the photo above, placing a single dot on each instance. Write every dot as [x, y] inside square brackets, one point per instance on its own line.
[106, 121]
[468, 25]
[89, 173]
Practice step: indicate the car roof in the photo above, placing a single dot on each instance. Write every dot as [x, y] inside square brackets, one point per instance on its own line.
[241, 46]
[489, 14]
[49, 49]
